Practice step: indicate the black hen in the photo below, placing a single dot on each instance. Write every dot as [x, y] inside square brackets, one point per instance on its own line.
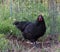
[32, 31]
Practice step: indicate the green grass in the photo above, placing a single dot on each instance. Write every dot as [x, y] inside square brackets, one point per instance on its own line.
[24, 11]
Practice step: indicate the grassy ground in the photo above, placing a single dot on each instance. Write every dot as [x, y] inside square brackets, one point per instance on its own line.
[24, 47]
[15, 45]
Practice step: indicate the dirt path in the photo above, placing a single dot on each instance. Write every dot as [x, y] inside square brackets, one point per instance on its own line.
[19, 46]
[15, 45]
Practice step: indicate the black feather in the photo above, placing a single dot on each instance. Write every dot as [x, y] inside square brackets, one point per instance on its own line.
[32, 31]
